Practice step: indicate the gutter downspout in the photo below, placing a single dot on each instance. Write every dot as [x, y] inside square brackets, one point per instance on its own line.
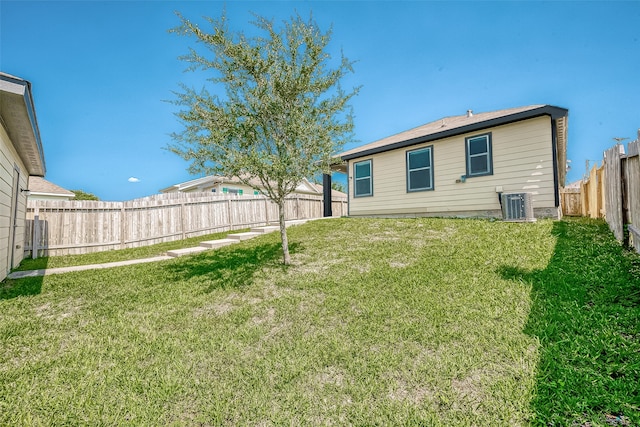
[554, 152]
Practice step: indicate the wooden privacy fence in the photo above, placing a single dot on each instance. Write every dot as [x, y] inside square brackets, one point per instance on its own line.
[612, 192]
[622, 191]
[79, 227]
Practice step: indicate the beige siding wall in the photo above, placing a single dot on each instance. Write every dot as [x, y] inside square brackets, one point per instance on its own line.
[522, 162]
[9, 160]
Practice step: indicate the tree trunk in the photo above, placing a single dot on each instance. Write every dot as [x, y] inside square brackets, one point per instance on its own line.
[283, 234]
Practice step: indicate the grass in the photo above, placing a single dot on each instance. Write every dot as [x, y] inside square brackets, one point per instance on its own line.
[586, 314]
[379, 322]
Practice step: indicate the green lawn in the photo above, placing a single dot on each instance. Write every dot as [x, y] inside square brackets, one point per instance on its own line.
[431, 322]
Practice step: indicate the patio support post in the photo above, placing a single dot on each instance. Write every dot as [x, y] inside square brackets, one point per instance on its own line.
[326, 190]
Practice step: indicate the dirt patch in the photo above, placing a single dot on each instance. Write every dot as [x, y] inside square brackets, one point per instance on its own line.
[415, 394]
[398, 264]
[330, 376]
[469, 388]
[268, 317]
[59, 311]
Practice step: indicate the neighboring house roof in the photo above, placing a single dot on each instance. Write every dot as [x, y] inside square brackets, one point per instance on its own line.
[470, 122]
[39, 186]
[305, 186]
[574, 185]
[19, 118]
[334, 193]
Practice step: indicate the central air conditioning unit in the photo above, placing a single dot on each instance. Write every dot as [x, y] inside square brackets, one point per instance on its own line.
[517, 207]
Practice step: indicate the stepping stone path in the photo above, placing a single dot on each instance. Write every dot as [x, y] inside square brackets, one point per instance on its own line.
[230, 239]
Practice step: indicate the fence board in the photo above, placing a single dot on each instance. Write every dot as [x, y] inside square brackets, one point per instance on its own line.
[632, 192]
[76, 227]
[613, 191]
[592, 193]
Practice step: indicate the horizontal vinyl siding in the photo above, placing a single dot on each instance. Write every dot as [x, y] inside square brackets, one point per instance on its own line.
[8, 158]
[522, 162]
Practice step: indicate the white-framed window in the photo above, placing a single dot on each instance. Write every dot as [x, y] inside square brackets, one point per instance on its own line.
[479, 156]
[420, 169]
[363, 179]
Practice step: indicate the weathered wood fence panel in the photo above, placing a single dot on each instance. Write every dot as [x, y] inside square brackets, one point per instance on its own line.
[591, 192]
[613, 190]
[77, 227]
[622, 192]
[632, 192]
[571, 202]
[591, 199]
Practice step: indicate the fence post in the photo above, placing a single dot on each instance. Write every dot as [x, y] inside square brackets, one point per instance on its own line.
[123, 226]
[35, 233]
[182, 223]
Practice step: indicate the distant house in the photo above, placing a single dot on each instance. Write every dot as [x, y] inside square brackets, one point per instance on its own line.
[222, 185]
[21, 156]
[41, 189]
[462, 165]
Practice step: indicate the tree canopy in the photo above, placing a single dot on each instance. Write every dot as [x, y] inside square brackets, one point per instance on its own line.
[273, 109]
[82, 195]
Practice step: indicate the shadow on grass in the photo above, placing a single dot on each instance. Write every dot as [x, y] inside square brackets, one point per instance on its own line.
[586, 314]
[228, 267]
[12, 288]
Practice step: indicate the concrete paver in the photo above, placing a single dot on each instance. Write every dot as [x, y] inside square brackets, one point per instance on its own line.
[266, 229]
[244, 236]
[214, 244]
[186, 251]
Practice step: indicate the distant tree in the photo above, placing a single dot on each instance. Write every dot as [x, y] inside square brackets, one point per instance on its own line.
[338, 186]
[81, 195]
[283, 114]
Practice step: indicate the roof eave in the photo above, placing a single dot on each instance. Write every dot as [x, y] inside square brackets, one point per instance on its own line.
[548, 110]
[19, 117]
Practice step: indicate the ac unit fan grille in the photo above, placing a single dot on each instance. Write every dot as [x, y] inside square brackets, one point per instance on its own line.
[517, 207]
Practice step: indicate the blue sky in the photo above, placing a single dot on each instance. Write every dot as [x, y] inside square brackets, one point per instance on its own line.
[102, 71]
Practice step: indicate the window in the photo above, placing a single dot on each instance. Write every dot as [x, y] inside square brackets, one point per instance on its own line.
[479, 161]
[227, 190]
[420, 169]
[363, 182]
